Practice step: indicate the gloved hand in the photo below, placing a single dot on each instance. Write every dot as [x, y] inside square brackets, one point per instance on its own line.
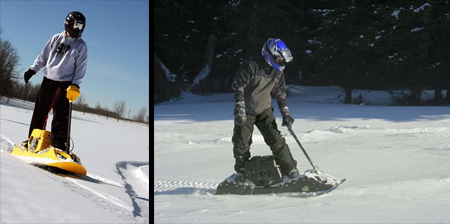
[239, 113]
[288, 120]
[27, 75]
[73, 92]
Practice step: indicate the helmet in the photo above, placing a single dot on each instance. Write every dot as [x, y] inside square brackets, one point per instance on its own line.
[276, 53]
[75, 24]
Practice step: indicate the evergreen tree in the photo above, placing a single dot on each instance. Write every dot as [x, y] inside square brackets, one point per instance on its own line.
[346, 41]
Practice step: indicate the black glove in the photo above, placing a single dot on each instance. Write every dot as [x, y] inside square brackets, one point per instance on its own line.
[288, 120]
[239, 113]
[27, 75]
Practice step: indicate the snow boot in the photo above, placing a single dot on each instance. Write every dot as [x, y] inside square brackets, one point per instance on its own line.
[239, 178]
[59, 145]
[24, 144]
[293, 173]
[239, 164]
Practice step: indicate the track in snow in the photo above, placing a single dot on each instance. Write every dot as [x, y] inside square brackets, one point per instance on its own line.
[104, 200]
[135, 175]
[183, 187]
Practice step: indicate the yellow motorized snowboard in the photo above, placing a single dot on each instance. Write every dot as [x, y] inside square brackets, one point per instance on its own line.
[41, 152]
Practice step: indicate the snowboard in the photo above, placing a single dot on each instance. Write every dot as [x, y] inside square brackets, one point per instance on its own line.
[51, 157]
[263, 175]
[307, 184]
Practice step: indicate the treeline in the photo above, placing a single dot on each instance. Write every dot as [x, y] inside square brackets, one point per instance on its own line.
[116, 112]
[13, 86]
[377, 45]
[28, 92]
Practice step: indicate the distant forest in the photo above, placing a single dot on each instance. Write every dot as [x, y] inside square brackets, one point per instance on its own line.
[375, 45]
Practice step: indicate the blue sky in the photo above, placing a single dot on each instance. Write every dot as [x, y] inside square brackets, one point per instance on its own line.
[117, 35]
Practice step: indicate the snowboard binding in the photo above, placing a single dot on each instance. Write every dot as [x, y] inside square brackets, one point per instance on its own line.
[263, 171]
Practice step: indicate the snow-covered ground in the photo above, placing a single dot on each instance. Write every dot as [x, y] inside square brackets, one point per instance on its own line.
[115, 190]
[396, 161]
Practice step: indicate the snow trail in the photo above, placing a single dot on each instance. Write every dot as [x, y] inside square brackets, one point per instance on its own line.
[136, 185]
[183, 187]
[105, 196]
[6, 145]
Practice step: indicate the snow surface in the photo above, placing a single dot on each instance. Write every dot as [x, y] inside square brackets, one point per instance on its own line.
[396, 160]
[115, 190]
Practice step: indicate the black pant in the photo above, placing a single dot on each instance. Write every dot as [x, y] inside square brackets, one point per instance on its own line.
[265, 122]
[46, 95]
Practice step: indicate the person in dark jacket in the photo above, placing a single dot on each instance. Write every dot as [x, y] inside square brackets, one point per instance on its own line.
[257, 81]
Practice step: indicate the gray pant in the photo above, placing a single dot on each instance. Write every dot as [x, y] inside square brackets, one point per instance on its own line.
[242, 139]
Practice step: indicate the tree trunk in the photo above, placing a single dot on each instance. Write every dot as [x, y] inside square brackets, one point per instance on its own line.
[447, 96]
[416, 90]
[416, 95]
[438, 90]
[200, 86]
[348, 96]
[252, 31]
[163, 67]
[210, 49]
[164, 88]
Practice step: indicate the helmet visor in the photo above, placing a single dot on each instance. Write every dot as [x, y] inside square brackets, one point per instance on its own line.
[287, 55]
[78, 26]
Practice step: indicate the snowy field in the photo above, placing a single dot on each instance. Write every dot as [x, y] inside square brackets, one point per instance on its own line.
[396, 161]
[115, 190]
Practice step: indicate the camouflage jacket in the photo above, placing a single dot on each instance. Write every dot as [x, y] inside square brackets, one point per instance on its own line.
[256, 83]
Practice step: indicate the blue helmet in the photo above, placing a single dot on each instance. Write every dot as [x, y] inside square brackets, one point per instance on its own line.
[276, 53]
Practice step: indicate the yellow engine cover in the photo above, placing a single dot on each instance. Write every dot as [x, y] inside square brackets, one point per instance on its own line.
[41, 152]
[39, 140]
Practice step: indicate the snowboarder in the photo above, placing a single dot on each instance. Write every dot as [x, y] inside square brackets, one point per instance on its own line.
[256, 82]
[65, 59]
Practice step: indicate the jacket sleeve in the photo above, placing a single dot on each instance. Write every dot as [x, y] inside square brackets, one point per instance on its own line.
[281, 96]
[81, 65]
[42, 59]
[243, 77]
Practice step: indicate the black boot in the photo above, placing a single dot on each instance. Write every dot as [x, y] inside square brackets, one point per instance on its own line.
[239, 164]
[24, 144]
[239, 167]
[59, 145]
[293, 173]
[239, 178]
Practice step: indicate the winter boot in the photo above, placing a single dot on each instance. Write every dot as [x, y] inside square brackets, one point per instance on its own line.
[239, 167]
[75, 158]
[59, 145]
[293, 173]
[239, 178]
[24, 144]
[239, 164]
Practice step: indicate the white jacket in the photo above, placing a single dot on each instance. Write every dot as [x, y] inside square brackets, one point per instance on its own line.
[65, 59]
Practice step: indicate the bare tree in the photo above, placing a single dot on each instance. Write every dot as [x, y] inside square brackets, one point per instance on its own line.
[81, 104]
[140, 117]
[98, 106]
[119, 109]
[104, 111]
[9, 60]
